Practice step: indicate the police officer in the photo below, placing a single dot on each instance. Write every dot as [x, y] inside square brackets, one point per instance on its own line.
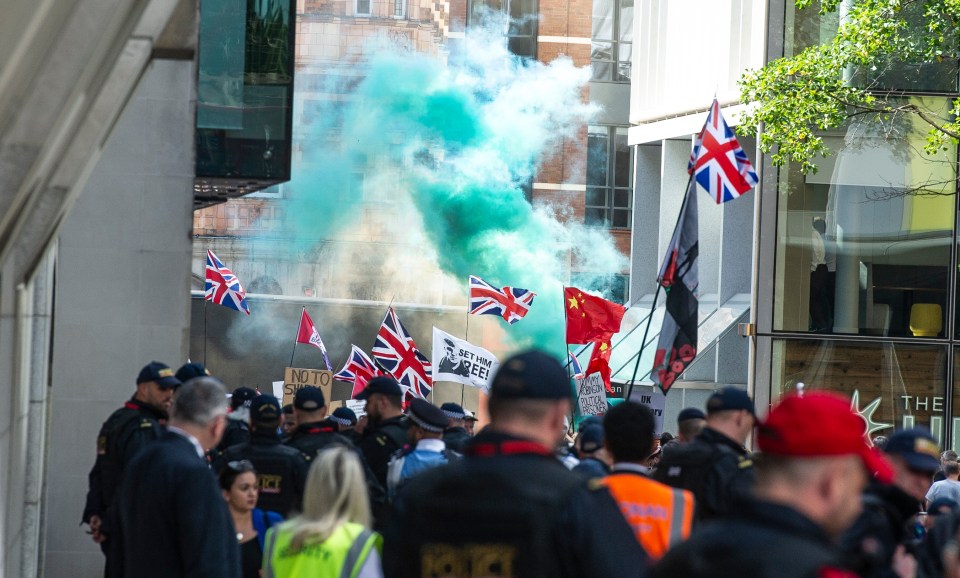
[529, 515]
[455, 434]
[346, 421]
[427, 450]
[313, 432]
[715, 466]
[813, 466]
[386, 430]
[125, 432]
[661, 516]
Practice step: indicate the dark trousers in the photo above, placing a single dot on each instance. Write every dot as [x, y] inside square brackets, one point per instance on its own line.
[821, 299]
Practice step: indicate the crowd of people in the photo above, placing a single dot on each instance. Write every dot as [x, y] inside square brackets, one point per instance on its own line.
[189, 481]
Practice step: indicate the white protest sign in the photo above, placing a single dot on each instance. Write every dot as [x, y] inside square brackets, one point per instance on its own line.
[462, 362]
[357, 405]
[654, 399]
[278, 390]
[591, 395]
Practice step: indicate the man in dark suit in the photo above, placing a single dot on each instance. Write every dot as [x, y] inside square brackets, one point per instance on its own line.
[174, 520]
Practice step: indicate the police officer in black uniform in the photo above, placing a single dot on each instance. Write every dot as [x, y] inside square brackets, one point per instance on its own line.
[237, 430]
[715, 466]
[456, 435]
[127, 430]
[527, 514]
[281, 470]
[813, 466]
[386, 430]
[346, 421]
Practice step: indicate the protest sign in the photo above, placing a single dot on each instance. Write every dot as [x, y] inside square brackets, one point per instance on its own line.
[654, 399]
[295, 378]
[462, 362]
[357, 406]
[591, 395]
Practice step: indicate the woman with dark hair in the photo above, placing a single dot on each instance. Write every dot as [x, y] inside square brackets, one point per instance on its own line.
[238, 483]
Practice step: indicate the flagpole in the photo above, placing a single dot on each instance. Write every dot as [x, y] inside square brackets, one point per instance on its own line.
[204, 331]
[566, 347]
[299, 327]
[656, 294]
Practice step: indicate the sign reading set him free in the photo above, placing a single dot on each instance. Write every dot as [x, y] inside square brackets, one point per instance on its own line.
[592, 395]
[294, 378]
[462, 362]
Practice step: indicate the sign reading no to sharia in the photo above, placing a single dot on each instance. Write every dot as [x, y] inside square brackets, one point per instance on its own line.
[294, 378]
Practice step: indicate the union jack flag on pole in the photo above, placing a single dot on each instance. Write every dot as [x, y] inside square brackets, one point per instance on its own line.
[718, 162]
[222, 286]
[575, 366]
[511, 303]
[358, 370]
[395, 351]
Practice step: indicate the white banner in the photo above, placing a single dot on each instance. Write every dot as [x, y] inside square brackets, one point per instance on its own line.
[462, 362]
[591, 395]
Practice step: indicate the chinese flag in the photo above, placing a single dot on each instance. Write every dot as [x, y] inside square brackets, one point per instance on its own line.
[600, 360]
[590, 318]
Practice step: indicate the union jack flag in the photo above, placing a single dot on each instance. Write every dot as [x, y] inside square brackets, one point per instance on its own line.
[718, 162]
[358, 370]
[222, 286]
[510, 303]
[396, 352]
[575, 366]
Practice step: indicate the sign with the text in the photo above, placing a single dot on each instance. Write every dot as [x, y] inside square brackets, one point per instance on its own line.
[592, 397]
[654, 399]
[294, 378]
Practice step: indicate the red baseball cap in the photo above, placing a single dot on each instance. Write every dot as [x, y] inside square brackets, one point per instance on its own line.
[819, 424]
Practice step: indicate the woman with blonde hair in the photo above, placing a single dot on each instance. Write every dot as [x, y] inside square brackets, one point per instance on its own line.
[332, 537]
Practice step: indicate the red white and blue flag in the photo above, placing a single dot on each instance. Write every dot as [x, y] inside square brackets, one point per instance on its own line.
[307, 333]
[358, 370]
[718, 162]
[395, 351]
[511, 303]
[222, 286]
[575, 366]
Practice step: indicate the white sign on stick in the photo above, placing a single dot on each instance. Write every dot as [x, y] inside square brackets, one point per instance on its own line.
[592, 396]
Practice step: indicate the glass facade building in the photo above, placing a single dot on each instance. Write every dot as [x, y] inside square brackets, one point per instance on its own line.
[863, 257]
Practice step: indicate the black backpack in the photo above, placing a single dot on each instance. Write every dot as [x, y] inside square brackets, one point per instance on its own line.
[687, 466]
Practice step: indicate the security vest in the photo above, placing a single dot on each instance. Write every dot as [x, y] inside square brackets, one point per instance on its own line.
[661, 516]
[342, 555]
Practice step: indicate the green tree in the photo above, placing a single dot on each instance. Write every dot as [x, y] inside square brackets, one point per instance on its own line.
[826, 84]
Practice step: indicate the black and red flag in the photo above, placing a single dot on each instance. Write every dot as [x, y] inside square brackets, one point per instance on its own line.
[679, 277]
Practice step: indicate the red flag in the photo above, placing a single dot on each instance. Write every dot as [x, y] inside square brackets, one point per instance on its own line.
[600, 360]
[590, 318]
[308, 334]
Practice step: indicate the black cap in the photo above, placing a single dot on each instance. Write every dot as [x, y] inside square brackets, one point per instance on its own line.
[344, 416]
[264, 408]
[381, 384]
[288, 409]
[591, 438]
[917, 447]
[453, 410]
[531, 375]
[426, 415]
[242, 396]
[730, 398]
[188, 371]
[159, 373]
[589, 421]
[690, 413]
[309, 398]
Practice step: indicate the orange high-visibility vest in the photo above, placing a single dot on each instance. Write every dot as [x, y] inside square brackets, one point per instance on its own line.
[661, 516]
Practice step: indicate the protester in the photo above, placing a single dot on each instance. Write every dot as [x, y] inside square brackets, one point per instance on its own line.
[882, 537]
[282, 470]
[813, 466]
[386, 430]
[947, 456]
[125, 433]
[332, 536]
[427, 448]
[289, 422]
[509, 498]
[455, 435]
[173, 519]
[238, 421]
[238, 484]
[714, 466]
[948, 488]
[594, 461]
[661, 516]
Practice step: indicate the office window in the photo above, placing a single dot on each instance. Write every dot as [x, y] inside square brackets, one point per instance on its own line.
[520, 17]
[609, 177]
[362, 7]
[612, 40]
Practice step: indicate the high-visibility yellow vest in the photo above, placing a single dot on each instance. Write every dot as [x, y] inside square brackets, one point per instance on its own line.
[661, 516]
[342, 555]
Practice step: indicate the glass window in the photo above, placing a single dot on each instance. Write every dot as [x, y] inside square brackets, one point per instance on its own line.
[521, 17]
[892, 385]
[363, 7]
[609, 193]
[612, 40]
[863, 245]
